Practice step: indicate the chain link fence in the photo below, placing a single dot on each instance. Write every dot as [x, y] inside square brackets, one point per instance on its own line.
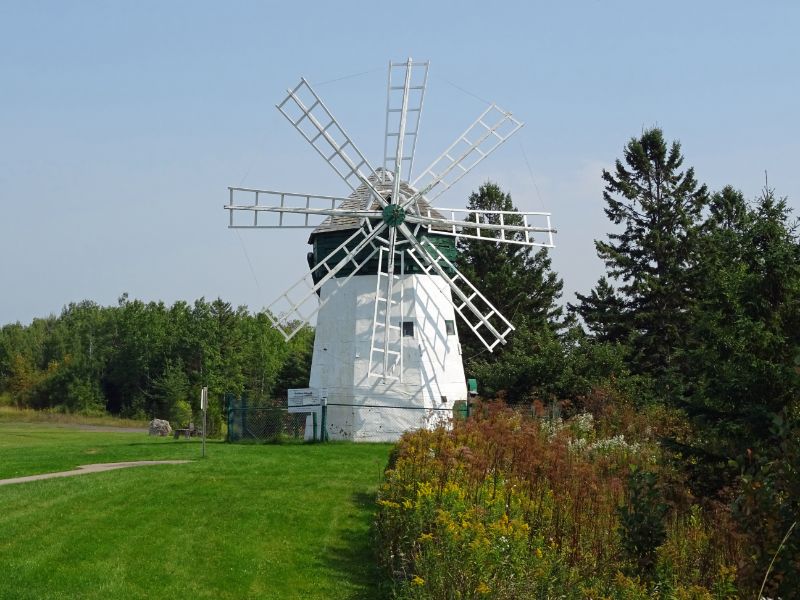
[265, 421]
[269, 420]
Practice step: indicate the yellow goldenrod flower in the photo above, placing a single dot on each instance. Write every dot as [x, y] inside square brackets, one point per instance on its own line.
[424, 490]
[417, 580]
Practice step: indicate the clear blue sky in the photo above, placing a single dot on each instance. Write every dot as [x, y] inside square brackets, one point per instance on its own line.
[123, 123]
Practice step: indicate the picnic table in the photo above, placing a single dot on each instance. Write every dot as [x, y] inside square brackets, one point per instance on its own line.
[187, 432]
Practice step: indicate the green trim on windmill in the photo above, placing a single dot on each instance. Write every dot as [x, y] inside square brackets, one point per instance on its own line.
[325, 243]
[393, 215]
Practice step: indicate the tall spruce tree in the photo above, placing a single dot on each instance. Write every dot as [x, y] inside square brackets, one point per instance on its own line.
[659, 207]
[517, 279]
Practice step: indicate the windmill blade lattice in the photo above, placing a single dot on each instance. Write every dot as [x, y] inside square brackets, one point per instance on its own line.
[415, 80]
[386, 344]
[308, 114]
[350, 253]
[470, 300]
[504, 226]
[249, 204]
[493, 127]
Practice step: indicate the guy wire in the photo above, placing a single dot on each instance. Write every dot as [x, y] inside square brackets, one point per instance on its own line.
[458, 87]
[359, 74]
[250, 264]
[533, 179]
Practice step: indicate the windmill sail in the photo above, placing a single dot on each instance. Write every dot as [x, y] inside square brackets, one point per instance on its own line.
[485, 321]
[309, 115]
[414, 76]
[386, 343]
[493, 127]
[295, 308]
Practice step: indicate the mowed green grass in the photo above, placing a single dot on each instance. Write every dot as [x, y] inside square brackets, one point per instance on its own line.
[248, 521]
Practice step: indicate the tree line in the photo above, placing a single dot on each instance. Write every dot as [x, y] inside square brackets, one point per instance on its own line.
[145, 360]
[697, 314]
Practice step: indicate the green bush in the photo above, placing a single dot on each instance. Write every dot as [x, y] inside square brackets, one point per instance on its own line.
[642, 519]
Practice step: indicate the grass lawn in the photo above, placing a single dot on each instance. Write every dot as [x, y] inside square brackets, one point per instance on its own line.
[248, 521]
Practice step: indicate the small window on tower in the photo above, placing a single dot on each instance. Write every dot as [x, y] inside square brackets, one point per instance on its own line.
[408, 328]
[450, 327]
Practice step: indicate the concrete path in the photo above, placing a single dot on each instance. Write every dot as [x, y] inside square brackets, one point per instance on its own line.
[95, 468]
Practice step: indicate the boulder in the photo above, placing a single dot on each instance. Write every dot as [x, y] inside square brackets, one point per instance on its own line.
[159, 427]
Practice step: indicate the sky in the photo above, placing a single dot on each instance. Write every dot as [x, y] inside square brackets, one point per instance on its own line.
[122, 124]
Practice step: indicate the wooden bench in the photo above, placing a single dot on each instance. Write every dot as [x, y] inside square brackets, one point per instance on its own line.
[187, 433]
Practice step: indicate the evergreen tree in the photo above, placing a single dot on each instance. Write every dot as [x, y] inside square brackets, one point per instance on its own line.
[297, 365]
[601, 311]
[659, 207]
[148, 360]
[516, 279]
[744, 375]
[744, 369]
[519, 282]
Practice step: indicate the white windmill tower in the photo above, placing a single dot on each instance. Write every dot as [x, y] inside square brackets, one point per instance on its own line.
[383, 285]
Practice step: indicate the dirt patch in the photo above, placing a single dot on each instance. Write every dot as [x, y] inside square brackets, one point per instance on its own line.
[95, 468]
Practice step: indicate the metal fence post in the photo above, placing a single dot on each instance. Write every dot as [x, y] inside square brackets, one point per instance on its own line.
[243, 410]
[228, 417]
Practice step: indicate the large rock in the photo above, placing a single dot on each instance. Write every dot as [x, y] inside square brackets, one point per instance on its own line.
[160, 427]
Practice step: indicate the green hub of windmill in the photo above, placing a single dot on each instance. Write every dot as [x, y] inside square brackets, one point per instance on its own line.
[393, 215]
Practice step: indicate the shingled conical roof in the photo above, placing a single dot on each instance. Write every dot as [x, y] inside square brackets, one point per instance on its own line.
[362, 199]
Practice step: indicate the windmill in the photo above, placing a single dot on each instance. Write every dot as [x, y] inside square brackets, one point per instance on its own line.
[383, 285]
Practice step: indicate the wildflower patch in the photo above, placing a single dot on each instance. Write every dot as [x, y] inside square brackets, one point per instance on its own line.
[510, 506]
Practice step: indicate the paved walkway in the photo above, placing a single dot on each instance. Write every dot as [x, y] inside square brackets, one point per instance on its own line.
[96, 468]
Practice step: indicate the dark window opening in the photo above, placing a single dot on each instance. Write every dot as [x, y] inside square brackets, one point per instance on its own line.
[408, 328]
[450, 327]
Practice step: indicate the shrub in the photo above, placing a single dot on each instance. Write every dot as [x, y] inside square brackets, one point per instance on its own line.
[642, 519]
